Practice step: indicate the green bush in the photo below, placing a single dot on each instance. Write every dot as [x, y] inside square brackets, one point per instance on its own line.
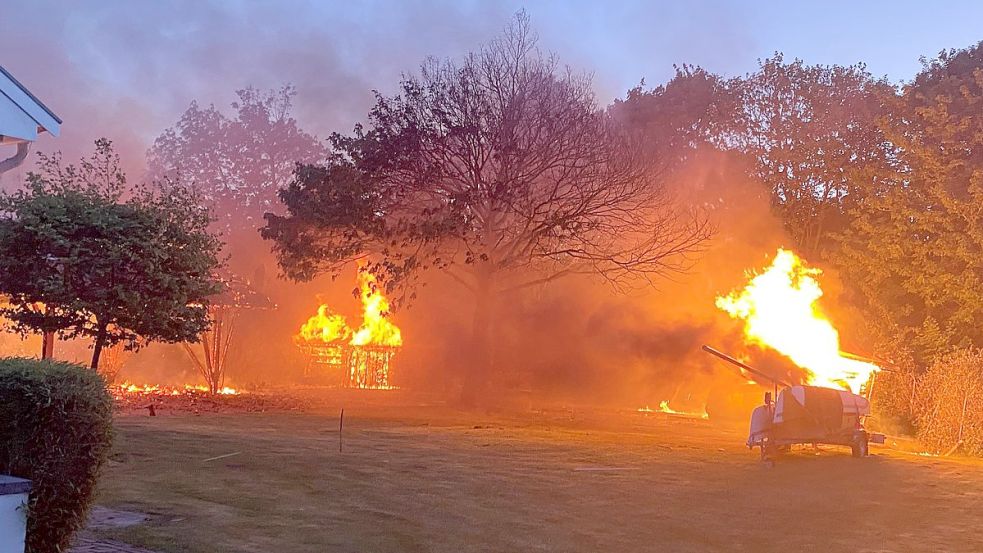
[55, 430]
[950, 399]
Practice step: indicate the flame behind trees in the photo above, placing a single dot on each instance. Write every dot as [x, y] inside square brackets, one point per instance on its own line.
[366, 352]
[500, 171]
[328, 327]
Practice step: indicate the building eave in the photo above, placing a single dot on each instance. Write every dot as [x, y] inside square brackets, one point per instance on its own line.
[29, 103]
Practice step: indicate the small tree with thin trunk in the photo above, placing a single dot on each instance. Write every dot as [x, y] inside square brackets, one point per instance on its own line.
[501, 172]
[216, 341]
[211, 359]
[87, 256]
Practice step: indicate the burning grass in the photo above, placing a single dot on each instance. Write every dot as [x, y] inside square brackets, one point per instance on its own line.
[132, 399]
[669, 411]
[431, 479]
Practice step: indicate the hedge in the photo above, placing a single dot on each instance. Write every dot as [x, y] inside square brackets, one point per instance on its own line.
[950, 400]
[55, 430]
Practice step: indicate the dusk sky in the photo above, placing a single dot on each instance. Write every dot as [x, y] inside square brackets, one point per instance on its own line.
[127, 69]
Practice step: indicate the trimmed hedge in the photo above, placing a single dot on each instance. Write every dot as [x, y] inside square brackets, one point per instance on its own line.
[56, 430]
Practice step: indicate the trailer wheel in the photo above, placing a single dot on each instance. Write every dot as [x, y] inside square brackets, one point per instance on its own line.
[860, 447]
[767, 451]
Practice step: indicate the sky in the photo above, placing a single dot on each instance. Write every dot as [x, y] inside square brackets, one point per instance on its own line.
[127, 69]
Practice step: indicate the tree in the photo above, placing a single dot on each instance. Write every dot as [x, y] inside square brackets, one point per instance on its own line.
[915, 250]
[83, 260]
[239, 163]
[673, 121]
[217, 339]
[812, 132]
[501, 172]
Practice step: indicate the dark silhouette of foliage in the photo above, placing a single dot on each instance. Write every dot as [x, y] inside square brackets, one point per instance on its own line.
[674, 121]
[241, 162]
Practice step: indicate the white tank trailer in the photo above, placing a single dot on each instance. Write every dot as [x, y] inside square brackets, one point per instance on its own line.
[806, 415]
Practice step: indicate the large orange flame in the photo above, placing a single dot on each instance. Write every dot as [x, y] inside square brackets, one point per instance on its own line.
[780, 310]
[376, 328]
[369, 350]
[326, 327]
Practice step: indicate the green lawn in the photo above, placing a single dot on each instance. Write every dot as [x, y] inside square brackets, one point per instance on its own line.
[421, 480]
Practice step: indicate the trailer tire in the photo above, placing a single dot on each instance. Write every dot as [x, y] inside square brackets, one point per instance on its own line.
[860, 446]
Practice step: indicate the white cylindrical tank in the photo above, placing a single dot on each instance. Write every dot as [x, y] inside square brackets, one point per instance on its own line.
[13, 513]
[761, 419]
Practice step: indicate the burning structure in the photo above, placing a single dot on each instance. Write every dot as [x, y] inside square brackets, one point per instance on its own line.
[362, 356]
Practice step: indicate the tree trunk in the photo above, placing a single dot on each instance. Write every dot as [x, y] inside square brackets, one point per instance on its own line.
[97, 348]
[47, 344]
[47, 340]
[478, 373]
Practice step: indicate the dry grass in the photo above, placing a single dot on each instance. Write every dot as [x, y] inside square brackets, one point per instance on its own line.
[419, 479]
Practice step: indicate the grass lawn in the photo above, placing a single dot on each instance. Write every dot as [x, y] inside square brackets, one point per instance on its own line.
[427, 480]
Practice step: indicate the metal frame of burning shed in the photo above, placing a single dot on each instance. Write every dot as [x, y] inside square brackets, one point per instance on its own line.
[360, 366]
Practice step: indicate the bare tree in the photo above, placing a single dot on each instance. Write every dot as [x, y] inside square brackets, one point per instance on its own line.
[216, 342]
[111, 364]
[499, 170]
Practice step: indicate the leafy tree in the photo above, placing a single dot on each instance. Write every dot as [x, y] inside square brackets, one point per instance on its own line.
[500, 171]
[239, 163]
[915, 250]
[694, 109]
[812, 132]
[83, 260]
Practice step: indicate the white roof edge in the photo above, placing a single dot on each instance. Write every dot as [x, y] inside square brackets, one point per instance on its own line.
[29, 103]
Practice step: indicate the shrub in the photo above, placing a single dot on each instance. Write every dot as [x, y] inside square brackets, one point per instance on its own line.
[895, 391]
[56, 430]
[950, 403]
